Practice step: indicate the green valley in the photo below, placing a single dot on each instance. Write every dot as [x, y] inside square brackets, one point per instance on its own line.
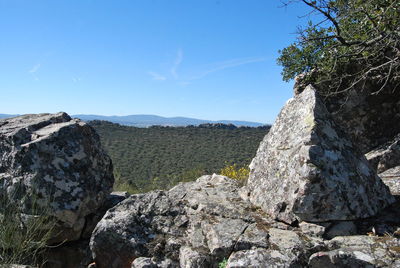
[159, 157]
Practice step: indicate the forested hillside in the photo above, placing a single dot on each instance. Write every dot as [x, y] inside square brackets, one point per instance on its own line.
[159, 157]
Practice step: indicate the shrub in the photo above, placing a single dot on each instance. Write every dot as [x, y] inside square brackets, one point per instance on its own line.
[234, 172]
[23, 237]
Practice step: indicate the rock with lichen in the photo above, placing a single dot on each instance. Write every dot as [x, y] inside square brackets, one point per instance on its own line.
[54, 165]
[306, 169]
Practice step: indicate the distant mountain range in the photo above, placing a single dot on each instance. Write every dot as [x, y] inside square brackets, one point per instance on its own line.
[146, 120]
[7, 115]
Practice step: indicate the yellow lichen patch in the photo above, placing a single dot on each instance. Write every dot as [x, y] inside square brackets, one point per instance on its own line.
[310, 121]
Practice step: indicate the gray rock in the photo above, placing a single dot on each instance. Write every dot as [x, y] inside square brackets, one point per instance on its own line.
[253, 237]
[257, 258]
[307, 170]
[391, 178]
[91, 221]
[344, 258]
[191, 258]
[385, 156]
[313, 229]
[296, 247]
[196, 224]
[359, 251]
[341, 229]
[143, 262]
[55, 164]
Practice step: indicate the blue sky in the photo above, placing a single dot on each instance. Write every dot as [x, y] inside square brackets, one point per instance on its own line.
[208, 59]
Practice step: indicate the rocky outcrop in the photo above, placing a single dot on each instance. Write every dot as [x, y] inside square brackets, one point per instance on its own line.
[194, 224]
[54, 165]
[307, 170]
[309, 201]
[202, 223]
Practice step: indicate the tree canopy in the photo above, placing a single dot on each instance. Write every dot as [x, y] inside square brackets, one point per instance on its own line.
[159, 157]
[346, 44]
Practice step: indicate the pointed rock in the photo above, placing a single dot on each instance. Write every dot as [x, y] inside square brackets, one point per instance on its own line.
[306, 169]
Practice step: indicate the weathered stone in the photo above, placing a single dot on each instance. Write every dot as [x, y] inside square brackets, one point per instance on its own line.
[254, 236]
[54, 165]
[143, 262]
[306, 170]
[343, 258]
[391, 178]
[313, 229]
[359, 251]
[296, 247]
[196, 224]
[341, 229]
[91, 220]
[259, 258]
[191, 258]
[385, 156]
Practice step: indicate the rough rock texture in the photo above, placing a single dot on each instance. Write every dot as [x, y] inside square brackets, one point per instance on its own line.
[56, 163]
[195, 224]
[259, 258]
[307, 170]
[391, 178]
[385, 156]
[143, 262]
[358, 251]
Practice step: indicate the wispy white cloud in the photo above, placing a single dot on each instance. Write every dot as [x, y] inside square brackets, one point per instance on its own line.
[76, 79]
[157, 76]
[227, 64]
[178, 60]
[35, 68]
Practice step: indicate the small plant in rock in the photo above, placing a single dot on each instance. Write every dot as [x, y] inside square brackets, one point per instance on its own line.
[237, 173]
[223, 263]
[23, 237]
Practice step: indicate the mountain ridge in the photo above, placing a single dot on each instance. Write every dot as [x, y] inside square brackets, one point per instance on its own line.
[146, 120]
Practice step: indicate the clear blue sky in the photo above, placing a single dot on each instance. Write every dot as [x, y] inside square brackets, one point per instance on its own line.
[208, 59]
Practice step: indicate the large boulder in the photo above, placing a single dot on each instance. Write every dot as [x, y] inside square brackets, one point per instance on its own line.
[53, 165]
[307, 170]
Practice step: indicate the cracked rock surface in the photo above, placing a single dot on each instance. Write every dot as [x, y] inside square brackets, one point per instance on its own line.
[195, 224]
[200, 224]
